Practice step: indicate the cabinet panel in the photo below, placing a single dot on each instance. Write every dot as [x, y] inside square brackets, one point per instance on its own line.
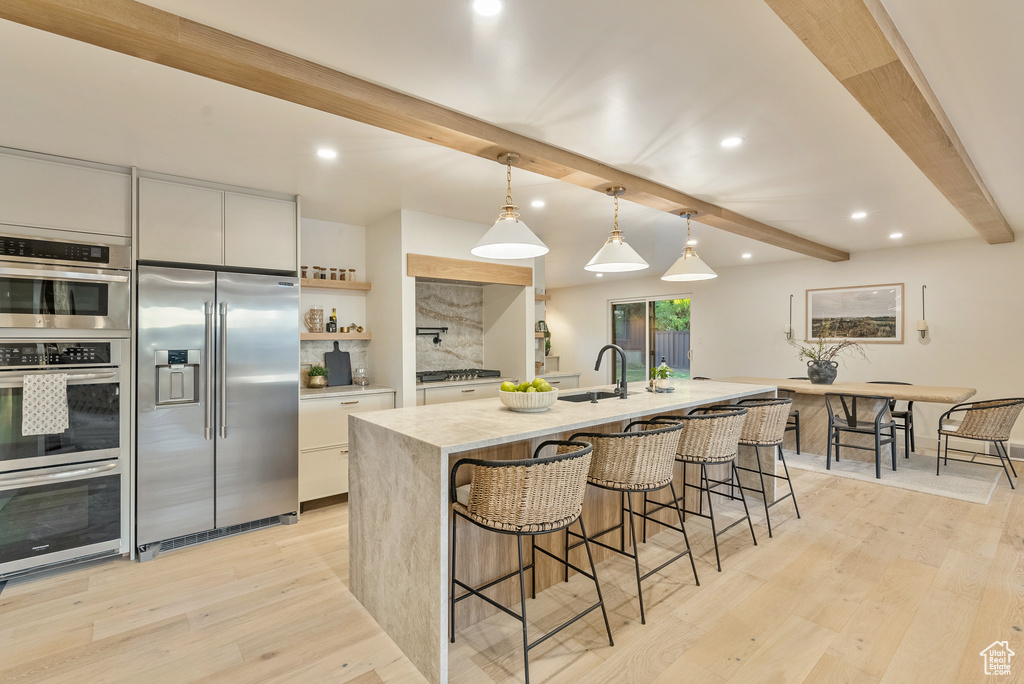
[180, 223]
[35, 192]
[442, 395]
[259, 232]
[564, 382]
[324, 422]
[323, 472]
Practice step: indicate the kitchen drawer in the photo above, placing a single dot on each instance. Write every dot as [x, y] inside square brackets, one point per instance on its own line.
[565, 382]
[323, 472]
[443, 395]
[324, 421]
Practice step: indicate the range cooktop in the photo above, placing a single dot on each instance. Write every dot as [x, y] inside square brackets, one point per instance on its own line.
[456, 374]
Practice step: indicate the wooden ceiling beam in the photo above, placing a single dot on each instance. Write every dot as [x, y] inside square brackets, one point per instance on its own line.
[145, 32]
[858, 42]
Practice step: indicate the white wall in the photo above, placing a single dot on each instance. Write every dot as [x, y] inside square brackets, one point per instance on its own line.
[974, 309]
[334, 245]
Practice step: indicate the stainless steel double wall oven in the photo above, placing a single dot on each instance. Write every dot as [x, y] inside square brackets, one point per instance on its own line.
[65, 307]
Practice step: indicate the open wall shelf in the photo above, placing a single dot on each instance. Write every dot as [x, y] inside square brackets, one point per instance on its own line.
[318, 284]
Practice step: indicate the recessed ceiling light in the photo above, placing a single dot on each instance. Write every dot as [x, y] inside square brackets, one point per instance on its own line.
[487, 8]
[859, 215]
[747, 255]
[537, 204]
[732, 142]
[599, 275]
[691, 242]
[326, 153]
[895, 236]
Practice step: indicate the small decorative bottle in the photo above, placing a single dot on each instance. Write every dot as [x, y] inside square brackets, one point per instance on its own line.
[332, 322]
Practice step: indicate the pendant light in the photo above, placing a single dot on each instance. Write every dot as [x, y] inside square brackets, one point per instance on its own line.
[689, 266]
[616, 256]
[509, 238]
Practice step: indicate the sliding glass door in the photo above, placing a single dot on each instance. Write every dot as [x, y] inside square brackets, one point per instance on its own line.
[649, 330]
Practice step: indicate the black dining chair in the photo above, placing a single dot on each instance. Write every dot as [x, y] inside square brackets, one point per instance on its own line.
[793, 422]
[863, 414]
[904, 419]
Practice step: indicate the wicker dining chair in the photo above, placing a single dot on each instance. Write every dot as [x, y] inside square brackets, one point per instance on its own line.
[864, 414]
[525, 498]
[904, 418]
[986, 421]
[710, 436]
[634, 462]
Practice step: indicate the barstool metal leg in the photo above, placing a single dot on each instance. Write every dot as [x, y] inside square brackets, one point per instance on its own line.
[451, 585]
[636, 559]
[750, 524]
[522, 596]
[682, 527]
[593, 571]
[706, 487]
[782, 457]
[764, 493]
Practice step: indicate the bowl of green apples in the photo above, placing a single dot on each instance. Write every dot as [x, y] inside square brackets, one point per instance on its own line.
[528, 397]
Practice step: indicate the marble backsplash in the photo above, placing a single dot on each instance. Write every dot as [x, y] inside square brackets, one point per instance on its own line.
[312, 352]
[460, 308]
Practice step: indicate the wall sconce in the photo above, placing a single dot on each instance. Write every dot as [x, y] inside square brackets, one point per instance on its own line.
[436, 332]
[922, 325]
[789, 330]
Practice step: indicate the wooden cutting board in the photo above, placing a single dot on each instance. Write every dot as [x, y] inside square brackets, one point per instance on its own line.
[339, 367]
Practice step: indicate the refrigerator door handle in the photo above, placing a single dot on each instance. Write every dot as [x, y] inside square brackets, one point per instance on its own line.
[222, 369]
[208, 373]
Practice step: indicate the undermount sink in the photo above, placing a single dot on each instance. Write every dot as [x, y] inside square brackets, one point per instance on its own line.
[588, 396]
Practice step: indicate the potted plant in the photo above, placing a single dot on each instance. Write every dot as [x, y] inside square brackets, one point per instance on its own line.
[660, 376]
[821, 354]
[317, 376]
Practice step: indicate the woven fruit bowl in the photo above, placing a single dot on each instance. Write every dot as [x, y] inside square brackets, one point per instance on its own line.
[528, 402]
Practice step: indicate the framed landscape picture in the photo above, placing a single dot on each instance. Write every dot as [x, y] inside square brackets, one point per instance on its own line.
[873, 313]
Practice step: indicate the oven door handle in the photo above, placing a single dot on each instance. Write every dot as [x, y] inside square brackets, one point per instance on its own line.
[73, 473]
[73, 378]
[63, 275]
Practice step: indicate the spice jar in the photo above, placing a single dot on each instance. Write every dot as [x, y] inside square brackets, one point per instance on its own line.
[304, 269]
[334, 274]
[352, 274]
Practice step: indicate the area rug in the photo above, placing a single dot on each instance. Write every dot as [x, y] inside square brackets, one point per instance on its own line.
[963, 481]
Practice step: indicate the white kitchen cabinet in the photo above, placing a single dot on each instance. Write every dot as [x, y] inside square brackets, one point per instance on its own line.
[196, 224]
[42, 193]
[323, 440]
[180, 223]
[259, 232]
[564, 382]
[443, 395]
[421, 397]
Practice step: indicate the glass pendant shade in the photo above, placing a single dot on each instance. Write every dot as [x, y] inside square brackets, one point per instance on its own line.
[689, 267]
[615, 257]
[509, 238]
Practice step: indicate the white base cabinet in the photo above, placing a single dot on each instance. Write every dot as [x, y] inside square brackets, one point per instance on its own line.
[323, 440]
[444, 395]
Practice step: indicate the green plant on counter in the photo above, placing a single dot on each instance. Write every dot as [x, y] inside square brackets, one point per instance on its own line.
[317, 370]
[661, 373]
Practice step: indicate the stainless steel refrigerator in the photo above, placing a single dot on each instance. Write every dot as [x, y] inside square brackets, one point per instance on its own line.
[217, 428]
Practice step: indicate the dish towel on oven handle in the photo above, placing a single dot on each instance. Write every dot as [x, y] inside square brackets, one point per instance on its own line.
[44, 404]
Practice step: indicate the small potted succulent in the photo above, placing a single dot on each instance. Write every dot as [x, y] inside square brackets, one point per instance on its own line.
[317, 376]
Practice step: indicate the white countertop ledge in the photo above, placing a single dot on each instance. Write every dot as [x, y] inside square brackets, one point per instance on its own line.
[465, 425]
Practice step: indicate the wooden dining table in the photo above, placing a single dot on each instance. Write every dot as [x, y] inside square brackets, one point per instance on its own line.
[809, 399]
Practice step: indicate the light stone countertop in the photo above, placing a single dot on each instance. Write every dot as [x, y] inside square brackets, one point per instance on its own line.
[481, 423]
[341, 390]
[926, 393]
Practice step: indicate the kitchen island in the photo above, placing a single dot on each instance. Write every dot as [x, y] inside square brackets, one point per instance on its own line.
[399, 511]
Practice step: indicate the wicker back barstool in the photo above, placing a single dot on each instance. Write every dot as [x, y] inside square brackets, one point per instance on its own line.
[525, 498]
[986, 421]
[629, 462]
[765, 426]
[710, 436]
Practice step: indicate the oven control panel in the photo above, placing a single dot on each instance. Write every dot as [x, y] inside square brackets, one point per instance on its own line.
[13, 354]
[52, 249]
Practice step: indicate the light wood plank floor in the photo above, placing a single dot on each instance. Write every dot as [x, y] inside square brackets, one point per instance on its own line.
[874, 584]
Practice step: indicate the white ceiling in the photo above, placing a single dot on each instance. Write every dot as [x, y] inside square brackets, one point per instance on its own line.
[652, 91]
